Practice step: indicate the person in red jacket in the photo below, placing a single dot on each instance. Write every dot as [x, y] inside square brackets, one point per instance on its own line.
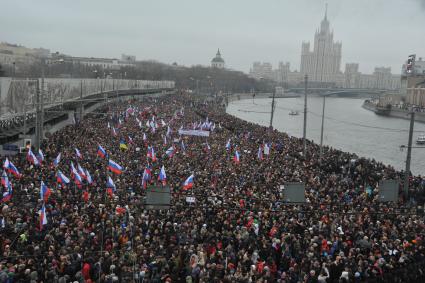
[86, 271]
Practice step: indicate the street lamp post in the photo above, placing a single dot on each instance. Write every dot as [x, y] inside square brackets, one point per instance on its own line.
[37, 117]
[321, 132]
[272, 111]
[410, 71]
[81, 102]
[305, 117]
[409, 155]
[24, 132]
[40, 104]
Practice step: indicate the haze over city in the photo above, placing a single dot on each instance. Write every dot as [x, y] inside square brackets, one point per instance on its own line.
[373, 33]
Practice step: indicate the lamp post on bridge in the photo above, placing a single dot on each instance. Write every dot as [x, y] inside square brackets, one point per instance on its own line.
[40, 103]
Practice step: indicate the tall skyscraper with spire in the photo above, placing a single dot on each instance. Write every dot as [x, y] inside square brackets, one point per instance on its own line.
[324, 62]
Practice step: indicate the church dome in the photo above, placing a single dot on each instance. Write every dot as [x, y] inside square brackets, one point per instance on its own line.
[217, 60]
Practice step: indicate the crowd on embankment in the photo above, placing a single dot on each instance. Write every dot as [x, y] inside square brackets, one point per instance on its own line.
[237, 230]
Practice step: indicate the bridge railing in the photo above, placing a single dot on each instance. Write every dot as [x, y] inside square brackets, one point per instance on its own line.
[12, 124]
[15, 94]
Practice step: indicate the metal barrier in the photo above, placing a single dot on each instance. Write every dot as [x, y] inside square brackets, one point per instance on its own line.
[14, 125]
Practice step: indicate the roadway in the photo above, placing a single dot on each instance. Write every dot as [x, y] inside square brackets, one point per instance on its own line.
[13, 127]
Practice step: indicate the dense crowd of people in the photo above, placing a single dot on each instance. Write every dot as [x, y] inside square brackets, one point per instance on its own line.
[238, 229]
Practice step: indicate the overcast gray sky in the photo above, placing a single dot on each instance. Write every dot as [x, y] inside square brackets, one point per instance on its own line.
[373, 32]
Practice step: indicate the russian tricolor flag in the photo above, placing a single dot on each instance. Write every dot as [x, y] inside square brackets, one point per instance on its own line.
[153, 155]
[7, 195]
[82, 172]
[110, 186]
[228, 145]
[40, 156]
[5, 180]
[149, 152]
[114, 167]
[236, 158]
[146, 177]
[170, 152]
[31, 158]
[266, 149]
[44, 192]
[260, 153]
[77, 152]
[43, 217]
[77, 178]
[101, 151]
[162, 176]
[57, 160]
[61, 178]
[89, 179]
[8, 165]
[110, 183]
[188, 184]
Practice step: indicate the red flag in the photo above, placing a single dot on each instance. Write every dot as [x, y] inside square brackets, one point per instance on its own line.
[86, 196]
[242, 203]
[273, 231]
[250, 222]
[260, 266]
[120, 210]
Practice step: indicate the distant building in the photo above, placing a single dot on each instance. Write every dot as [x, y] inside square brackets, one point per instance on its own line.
[128, 58]
[351, 75]
[322, 64]
[382, 77]
[104, 63]
[20, 55]
[295, 78]
[415, 92]
[413, 84]
[282, 72]
[367, 81]
[262, 71]
[217, 61]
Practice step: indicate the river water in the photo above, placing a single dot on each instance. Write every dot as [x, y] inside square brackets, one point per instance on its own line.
[348, 127]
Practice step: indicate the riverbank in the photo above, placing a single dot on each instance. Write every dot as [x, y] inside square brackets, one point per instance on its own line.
[348, 127]
[241, 96]
[395, 113]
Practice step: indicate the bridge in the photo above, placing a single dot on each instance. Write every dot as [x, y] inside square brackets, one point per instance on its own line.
[343, 92]
[61, 100]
